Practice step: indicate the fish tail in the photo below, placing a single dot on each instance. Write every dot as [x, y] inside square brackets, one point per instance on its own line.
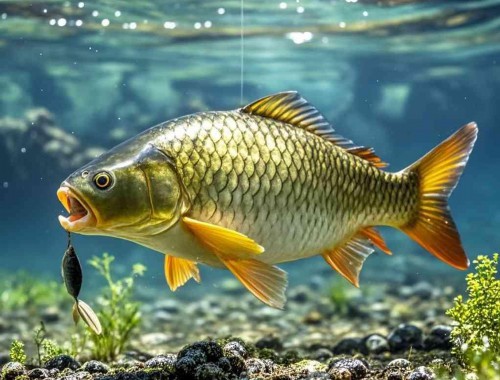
[438, 173]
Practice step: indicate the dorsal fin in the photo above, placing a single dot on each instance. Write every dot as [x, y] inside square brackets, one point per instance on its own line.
[291, 108]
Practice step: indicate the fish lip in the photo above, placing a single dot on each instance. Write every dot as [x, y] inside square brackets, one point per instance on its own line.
[70, 199]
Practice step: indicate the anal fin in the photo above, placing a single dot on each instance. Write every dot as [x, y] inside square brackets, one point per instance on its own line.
[178, 271]
[266, 282]
[348, 258]
[374, 236]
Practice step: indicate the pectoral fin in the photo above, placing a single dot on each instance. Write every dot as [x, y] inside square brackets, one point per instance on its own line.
[349, 258]
[178, 271]
[226, 243]
[266, 282]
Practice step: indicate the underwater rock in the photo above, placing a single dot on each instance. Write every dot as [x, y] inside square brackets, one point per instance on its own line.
[35, 144]
[439, 337]
[348, 346]
[62, 362]
[375, 344]
[38, 373]
[95, 366]
[162, 361]
[209, 371]
[321, 354]
[259, 366]
[399, 364]
[235, 348]
[404, 337]
[357, 368]
[422, 373]
[11, 370]
[195, 355]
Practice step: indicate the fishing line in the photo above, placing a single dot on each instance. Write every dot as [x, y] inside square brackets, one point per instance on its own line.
[242, 49]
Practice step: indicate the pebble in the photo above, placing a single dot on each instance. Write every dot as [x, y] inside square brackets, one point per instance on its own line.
[235, 348]
[376, 344]
[405, 337]
[422, 373]
[439, 338]
[12, 369]
[161, 361]
[95, 366]
[38, 373]
[322, 354]
[400, 364]
[357, 368]
[340, 374]
[209, 371]
[61, 362]
[259, 366]
[348, 346]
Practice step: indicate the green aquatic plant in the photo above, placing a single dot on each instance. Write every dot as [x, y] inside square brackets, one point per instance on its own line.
[340, 297]
[119, 313]
[476, 336]
[24, 291]
[17, 353]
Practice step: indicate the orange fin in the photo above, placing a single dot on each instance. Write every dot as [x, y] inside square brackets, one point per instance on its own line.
[266, 282]
[178, 271]
[291, 108]
[438, 172]
[348, 259]
[377, 240]
[226, 243]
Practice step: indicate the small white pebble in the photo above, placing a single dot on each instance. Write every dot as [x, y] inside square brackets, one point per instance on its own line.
[95, 13]
[5, 185]
[221, 11]
[207, 24]
[81, 4]
[118, 14]
[23, 150]
[283, 5]
[300, 9]
[197, 25]
[169, 25]
[105, 22]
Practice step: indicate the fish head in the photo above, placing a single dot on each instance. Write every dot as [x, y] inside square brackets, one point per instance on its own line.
[131, 192]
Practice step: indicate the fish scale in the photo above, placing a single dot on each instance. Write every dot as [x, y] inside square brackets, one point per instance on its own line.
[260, 183]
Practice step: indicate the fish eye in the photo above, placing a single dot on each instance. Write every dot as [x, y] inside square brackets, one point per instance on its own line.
[102, 180]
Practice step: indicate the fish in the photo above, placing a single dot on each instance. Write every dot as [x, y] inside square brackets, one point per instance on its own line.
[73, 278]
[264, 184]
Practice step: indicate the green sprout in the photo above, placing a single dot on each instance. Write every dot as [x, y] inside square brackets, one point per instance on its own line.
[476, 336]
[119, 314]
[16, 352]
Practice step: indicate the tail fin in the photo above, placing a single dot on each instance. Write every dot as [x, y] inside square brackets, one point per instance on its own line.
[438, 172]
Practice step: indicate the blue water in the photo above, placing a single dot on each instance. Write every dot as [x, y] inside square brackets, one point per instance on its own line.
[398, 75]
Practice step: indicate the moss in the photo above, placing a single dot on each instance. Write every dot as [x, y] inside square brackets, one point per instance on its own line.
[119, 313]
[16, 352]
[476, 335]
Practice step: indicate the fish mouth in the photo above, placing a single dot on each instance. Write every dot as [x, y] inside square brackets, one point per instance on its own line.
[80, 214]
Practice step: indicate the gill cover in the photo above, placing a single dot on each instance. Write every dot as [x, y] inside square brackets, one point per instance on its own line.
[167, 196]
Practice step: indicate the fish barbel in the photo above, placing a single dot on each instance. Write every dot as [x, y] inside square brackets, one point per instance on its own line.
[265, 184]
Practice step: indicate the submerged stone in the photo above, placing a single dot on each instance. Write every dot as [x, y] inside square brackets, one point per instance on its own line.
[348, 346]
[62, 362]
[439, 338]
[11, 370]
[422, 373]
[375, 344]
[404, 337]
[357, 368]
[95, 366]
